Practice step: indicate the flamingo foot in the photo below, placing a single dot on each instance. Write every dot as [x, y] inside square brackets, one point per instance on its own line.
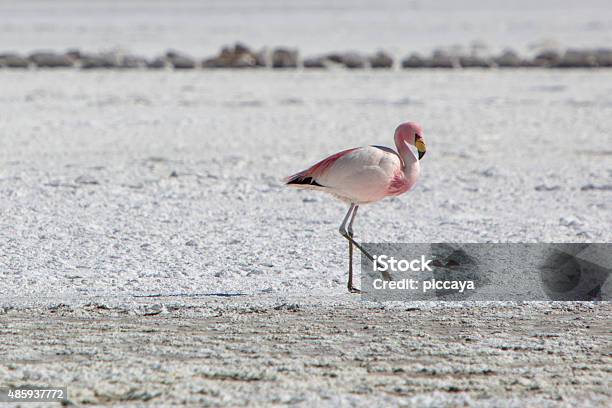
[353, 289]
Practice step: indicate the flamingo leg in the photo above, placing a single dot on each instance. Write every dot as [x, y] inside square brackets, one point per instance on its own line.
[344, 232]
[350, 286]
[347, 232]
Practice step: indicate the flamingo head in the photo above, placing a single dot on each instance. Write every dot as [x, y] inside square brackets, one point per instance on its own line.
[412, 133]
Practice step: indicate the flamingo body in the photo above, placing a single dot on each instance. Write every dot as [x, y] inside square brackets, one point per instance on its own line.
[361, 175]
[367, 174]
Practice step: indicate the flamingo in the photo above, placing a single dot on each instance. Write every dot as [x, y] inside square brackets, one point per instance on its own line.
[364, 175]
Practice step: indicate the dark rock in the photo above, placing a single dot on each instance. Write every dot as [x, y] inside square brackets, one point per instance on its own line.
[132, 61]
[353, 60]
[238, 56]
[213, 62]
[241, 61]
[381, 60]
[13, 61]
[544, 187]
[156, 63]
[528, 63]
[335, 57]
[603, 56]
[240, 48]
[74, 54]
[292, 307]
[173, 54]
[86, 179]
[182, 63]
[136, 395]
[315, 62]
[508, 59]
[603, 187]
[179, 60]
[475, 61]
[47, 59]
[547, 58]
[577, 59]
[442, 59]
[414, 61]
[284, 58]
[97, 61]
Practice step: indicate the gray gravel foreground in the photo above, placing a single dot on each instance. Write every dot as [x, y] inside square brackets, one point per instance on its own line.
[245, 352]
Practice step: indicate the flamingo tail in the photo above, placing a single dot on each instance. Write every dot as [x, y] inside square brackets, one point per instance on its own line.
[308, 178]
[302, 180]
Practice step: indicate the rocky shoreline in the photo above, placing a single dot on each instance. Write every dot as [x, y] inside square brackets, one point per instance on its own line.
[240, 56]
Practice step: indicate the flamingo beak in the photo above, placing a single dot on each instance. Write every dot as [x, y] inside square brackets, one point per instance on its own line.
[420, 145]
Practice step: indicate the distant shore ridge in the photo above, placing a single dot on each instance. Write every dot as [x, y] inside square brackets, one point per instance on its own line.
[240, 56]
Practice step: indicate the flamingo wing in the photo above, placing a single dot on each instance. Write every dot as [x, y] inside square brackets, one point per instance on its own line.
[358, 175]
[309, 176]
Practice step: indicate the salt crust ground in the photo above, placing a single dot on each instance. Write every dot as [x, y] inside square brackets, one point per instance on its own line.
[116, 184]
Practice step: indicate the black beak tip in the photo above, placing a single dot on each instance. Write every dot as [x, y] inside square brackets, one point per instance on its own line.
[421, 154]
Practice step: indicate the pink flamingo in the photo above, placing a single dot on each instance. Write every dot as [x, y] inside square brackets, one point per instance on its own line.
[364, 175]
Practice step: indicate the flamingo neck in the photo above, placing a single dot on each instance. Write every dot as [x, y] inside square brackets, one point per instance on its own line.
[409, 159]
